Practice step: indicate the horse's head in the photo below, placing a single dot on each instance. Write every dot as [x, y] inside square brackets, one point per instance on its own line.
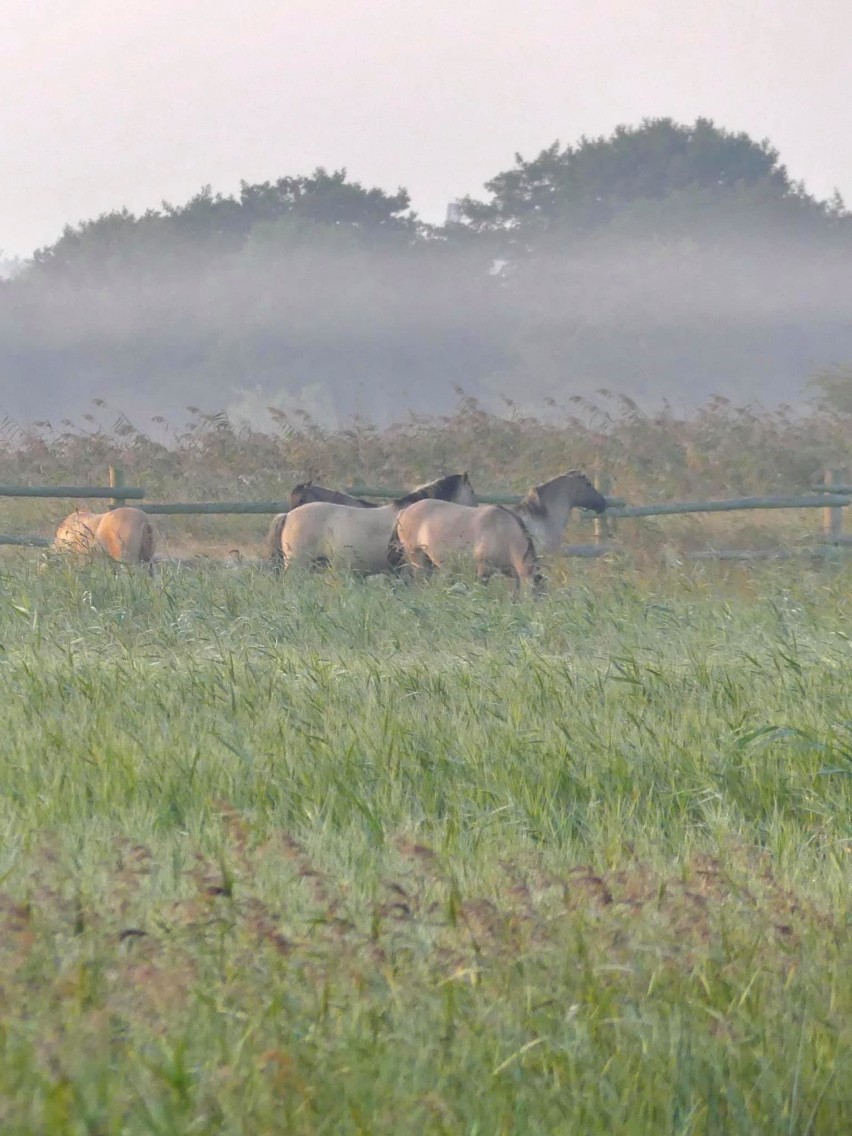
[301, 494]
[568, 490]
[584, 495]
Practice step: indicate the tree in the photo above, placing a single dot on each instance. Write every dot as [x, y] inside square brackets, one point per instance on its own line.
[580, 189]
[211, 224]
[329, 199]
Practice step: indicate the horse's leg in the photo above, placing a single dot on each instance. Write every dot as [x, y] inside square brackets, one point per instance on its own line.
[422, 565]
[526, 571]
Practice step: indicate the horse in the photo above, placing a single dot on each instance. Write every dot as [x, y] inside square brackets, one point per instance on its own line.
[321, 533]
[428, 534]
[307, 491]
[125, 535]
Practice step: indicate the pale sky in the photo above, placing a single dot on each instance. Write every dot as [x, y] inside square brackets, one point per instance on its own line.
[107, 103]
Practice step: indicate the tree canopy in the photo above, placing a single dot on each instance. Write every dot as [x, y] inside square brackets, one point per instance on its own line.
[666, 261]
[582, 188]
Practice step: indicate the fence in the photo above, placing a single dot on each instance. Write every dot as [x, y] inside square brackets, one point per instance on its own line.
[832, 496]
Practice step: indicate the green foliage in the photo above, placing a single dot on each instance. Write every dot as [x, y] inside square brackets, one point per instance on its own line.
[213, 224]
[585, 187]
[317, 855]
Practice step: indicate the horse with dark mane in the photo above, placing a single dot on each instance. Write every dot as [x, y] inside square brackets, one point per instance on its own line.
[307, 491]
[322, 533]
[429, 534]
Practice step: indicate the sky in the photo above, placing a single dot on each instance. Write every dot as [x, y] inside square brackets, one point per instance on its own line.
[106, 105]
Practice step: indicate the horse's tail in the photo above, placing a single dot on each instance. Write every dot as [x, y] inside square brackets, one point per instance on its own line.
[274, 549]
[146, 544]
[530, 559]
[396, 552]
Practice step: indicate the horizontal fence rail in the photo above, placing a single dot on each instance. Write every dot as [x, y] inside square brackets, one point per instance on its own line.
[833, 497]
[670, 508]
[90, 491]
[213, 507]
[27, 541]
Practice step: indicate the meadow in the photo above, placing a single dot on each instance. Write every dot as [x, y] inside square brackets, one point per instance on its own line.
[320, 855]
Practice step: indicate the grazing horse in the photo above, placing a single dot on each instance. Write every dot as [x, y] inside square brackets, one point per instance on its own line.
[428, 534]
[321, 533]
[306, 492]
[125, 535]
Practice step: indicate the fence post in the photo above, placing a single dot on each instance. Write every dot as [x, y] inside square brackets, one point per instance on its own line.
[604, 526]
[832, 515]
[116, 481]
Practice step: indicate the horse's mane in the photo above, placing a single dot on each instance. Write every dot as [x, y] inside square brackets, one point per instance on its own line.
[444, 487]
[531, 505]
[301, 494]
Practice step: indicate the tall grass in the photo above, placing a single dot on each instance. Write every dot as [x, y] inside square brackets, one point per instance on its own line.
[720, 451]
[323, 855]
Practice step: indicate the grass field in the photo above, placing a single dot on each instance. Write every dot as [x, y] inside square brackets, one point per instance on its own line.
[318, 855]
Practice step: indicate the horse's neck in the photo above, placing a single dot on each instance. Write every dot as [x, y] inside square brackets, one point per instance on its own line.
[546, 529]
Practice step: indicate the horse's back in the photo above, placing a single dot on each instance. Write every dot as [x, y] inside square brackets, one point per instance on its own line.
[320, 531]
[493, 537]
[443, 524]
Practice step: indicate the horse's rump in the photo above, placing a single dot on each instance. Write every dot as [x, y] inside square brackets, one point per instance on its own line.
[77, 533]
[436, 533]
[125, 534]
[321, 533]
[274, 550]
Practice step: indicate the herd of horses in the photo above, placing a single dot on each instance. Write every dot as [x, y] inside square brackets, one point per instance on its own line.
[434, 526]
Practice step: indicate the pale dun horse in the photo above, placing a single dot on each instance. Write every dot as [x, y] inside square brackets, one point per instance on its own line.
[499, 541]
[321, 533]
[126, 535]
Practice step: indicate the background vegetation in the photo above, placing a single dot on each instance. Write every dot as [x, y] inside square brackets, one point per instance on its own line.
[667, 261]
[721, 450]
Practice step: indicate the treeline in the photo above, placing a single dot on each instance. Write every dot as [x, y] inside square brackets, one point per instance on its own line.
[667, 262]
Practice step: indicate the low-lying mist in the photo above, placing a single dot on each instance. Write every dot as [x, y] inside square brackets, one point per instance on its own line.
[375, 332]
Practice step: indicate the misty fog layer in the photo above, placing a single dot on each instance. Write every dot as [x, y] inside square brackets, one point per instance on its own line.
[314, 294]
